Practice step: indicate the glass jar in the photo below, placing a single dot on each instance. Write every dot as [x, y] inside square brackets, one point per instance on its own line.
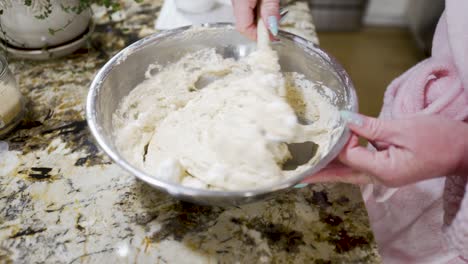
[11, 101]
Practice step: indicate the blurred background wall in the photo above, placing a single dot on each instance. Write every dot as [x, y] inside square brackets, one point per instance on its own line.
[376, 40]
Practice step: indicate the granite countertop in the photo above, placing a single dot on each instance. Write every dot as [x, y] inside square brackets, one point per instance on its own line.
[63, 201]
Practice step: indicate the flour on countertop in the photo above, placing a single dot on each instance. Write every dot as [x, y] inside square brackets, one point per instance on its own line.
[214, 123]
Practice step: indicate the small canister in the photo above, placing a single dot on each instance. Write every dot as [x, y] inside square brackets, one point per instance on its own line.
[12, 105]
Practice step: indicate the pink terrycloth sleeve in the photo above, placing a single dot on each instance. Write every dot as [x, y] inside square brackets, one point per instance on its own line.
[457, 27]
[456, 187]
[456, 213]
[407, 221]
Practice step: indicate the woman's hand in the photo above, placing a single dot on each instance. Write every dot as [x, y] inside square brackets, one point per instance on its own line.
[246, 22]
[408, 151]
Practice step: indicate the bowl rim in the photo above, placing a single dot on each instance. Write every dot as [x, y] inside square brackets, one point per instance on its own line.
[177, 189]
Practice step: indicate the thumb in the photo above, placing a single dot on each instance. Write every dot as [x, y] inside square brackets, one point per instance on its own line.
[377, 163]
[372, 129]
[338, 173]
[383, 165]
[269, 10]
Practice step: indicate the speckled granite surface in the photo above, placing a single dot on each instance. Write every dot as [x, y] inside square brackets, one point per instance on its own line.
[63, 201]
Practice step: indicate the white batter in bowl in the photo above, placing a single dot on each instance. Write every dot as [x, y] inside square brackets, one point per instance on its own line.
[210, 122]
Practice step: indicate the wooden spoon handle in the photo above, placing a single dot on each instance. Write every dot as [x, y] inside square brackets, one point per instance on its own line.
[263, 37]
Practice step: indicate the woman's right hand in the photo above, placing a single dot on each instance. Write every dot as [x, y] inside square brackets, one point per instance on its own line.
[245, 13]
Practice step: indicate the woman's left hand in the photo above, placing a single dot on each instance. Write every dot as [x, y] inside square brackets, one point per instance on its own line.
[408, 150]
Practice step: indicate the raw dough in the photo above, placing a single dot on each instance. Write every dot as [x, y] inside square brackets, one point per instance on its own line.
[209, 122]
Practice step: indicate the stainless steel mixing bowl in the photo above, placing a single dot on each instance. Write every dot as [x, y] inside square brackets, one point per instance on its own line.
[126, 70]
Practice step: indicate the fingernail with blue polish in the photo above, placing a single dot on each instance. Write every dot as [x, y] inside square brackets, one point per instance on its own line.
[273, 25]
[351, 117]
[301, 185]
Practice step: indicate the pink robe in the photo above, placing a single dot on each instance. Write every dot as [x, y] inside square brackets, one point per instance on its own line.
[427, 222]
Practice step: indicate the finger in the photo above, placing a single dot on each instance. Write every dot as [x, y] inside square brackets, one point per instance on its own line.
[339, 174]
[384, 165]
[270, 15]
[353, 141]
[337, 171]
[244, 11]
[336, 163]
[372, 129]
[379, 145]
